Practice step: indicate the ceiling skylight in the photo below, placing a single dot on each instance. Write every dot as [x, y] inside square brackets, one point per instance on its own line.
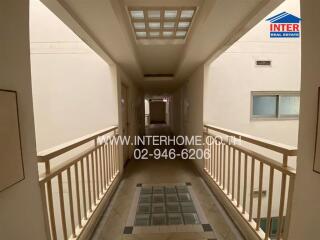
[168, 25]
[139, 25]
[187, 13]
[138, 14]
[183, 24]
[161, 22]
[169, 14]
[154, 25]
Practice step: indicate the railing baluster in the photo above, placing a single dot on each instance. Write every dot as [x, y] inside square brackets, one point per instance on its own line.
[282, 201]
[83, 190]
[50, 204]
[100, 168]
[111, 161]
[233, 171]
[239, 178]
[73, 228]
[108, 163]
[289, 205]
[267, 234]
[216, 161]
[62, 210]
[251, 187]
[93, 178]
[105, 167]
[245, 183]
[211, 160]
[96, 173]
[220, 164]
[260, 196]
[229, 168]
[89, 181]
[78, 194]
[224, 166]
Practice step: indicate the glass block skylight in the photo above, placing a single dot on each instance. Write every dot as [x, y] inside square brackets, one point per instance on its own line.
[161, 22]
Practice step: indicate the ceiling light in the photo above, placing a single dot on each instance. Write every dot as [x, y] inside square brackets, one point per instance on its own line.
[154, 34]
[137, 14]
[154, 13]
[154, 25]
[181, 33]
[187, 13]
[141, 34]
[170, 14]
[183, 24]
[139, 25]
[167, 34]
[168, 25]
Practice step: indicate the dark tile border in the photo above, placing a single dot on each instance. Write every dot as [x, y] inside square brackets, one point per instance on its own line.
[207, 228]
[128, 230]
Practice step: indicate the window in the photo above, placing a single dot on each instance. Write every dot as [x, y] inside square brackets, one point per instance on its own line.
[275, 105]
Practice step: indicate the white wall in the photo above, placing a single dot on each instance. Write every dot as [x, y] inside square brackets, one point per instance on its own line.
[74, 90]
[192, 107]
[306, 207]
[231, 78]
[21, 215]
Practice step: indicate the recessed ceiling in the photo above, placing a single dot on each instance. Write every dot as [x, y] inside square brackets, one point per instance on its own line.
[108, 27]
[161, 22]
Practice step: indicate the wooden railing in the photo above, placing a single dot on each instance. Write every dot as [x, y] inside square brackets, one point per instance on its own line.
[73, 189]
[257, 186]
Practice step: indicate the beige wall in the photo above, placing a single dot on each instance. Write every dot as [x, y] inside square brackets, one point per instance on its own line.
[21, 214]
[233, 75]
[192, 107]
[74, 89]
[306, 206]
[135, 106]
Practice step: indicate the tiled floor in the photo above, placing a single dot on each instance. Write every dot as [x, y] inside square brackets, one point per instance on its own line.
[115, 218]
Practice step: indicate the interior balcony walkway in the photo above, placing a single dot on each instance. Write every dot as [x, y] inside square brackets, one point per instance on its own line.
[91, 196]
[163, 172]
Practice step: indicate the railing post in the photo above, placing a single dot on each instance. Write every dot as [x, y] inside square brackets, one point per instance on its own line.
[50, 203]
[289, 207]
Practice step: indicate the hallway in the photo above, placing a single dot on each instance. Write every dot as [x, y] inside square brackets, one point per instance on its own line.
[159, 120]
[162, 172]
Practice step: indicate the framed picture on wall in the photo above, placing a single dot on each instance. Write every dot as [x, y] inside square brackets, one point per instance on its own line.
[316, 163]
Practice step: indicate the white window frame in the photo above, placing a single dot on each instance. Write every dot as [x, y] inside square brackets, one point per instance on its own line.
[279, 94]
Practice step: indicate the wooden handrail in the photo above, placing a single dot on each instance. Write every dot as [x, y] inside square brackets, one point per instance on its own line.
[266, 160]
[228, 166]
[89, 176]
[48, 154]
[277, 147]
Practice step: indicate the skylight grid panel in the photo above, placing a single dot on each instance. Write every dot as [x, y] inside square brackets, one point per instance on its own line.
[154, 25]
[167, 34]
[141, 34]
[183, 24]
[154, 14]
[139, 25]
[170, 14]
[137, 14]
[187, 13]
[168, 25]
